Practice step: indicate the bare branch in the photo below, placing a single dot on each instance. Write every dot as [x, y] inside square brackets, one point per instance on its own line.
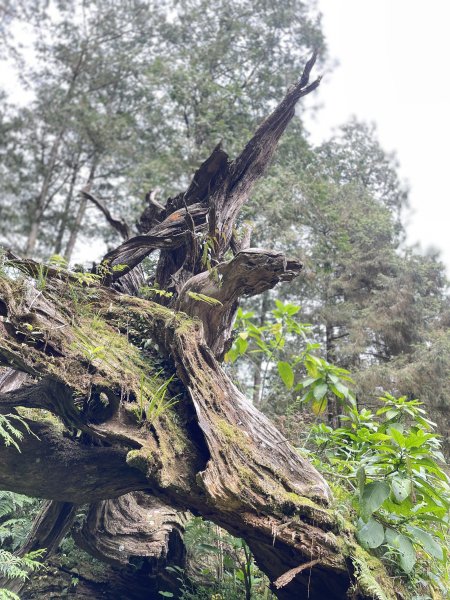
[119, 225]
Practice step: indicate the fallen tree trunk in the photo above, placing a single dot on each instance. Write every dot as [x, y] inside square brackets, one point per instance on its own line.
[126, 395]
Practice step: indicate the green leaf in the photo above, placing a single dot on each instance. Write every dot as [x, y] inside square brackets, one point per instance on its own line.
[427, 541]
[431, 466]
[370, 534]
[286, 373]
[361, 479]
[401, 488]
[404, 509]
[166, 594]
[308, 381]
[320, 390]
[406, 552]
[372, 498]
[342, 389]
[241, 345]
[397, 436]
[319, 406]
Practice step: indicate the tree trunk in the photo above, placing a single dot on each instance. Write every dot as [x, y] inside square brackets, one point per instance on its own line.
[41, 200]
[333, 410]
[97, 360]
[258, 360]
[80, 214]
[65, 213]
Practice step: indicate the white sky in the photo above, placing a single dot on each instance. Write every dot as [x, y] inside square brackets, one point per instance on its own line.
[394, 70]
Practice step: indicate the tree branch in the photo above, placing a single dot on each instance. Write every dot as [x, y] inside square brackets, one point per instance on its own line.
[119, 225]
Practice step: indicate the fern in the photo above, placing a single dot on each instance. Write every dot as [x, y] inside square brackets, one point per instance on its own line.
[10, 502]
[19, 567]
[366, 581]
[7, 595]
[10, 434]
[204, 298]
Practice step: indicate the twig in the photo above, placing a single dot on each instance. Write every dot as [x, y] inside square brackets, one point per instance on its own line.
[289, 575]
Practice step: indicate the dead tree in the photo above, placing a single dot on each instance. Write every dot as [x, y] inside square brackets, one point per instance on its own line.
[83, 353]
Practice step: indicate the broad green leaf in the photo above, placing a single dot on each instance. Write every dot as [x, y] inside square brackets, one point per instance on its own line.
[372, 498]
[433, 492]
[232, 355]
[286, 373]
[417, 440]
[397, 436]
[407, 554]
[291, 309]
[336, 392]
[370, 534]
[404, 509]
[401, 488]
[390, 414]
[308, 381]
[342, 389]
[319, 406]
[427, 541]
[378, 437]
[241, 345]
[431, 466]
[320, 390]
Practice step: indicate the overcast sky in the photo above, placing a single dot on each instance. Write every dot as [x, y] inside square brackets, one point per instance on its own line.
[394, 70]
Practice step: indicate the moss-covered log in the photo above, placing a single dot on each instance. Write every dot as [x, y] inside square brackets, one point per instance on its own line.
[96, 358]
[126, 396]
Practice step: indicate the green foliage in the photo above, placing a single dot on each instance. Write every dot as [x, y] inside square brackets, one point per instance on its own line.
[152, 401]
[16, 512]
[366, 580]
[298, 366]
[9, 432]
[392, 464]
[19, 567]
[389, 463]
[223, 567]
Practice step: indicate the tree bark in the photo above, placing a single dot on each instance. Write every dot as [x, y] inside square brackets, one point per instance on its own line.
[97, 360]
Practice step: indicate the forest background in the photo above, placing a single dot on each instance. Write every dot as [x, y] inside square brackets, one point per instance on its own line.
[127, 99]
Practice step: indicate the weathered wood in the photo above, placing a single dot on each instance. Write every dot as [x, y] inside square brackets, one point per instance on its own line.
[249, 273]
[212, 452]
[88, 352]
[133, 526]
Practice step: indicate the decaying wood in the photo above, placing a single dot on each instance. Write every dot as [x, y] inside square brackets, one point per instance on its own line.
[212, 453]
[87, 351]
[136, 525]
[249, 273]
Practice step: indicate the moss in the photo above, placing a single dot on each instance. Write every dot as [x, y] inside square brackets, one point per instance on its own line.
[371, 575]
[143, 460]
[301, 500]
[234, 435]
[41, 415]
